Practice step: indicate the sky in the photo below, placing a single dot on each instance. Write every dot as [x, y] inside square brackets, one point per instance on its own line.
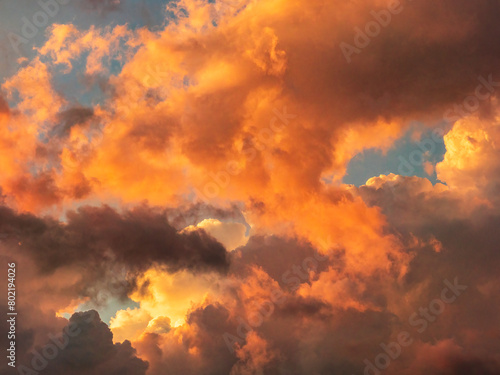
[250, 187]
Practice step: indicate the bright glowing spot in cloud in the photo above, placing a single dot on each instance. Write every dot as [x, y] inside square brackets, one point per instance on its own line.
[164, 299]
[231, 235]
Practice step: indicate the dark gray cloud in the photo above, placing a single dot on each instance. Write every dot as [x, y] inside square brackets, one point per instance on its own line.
[89, 350]
[70, 118]
[98, 235]
[276, 256]
[109, 249]
[102, 6]
[468, 249]
[405, 70]
[4, 106]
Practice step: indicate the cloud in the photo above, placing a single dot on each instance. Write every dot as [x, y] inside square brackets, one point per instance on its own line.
[72, 117]
[104, 5]
[167, 294]
[275, 255]
[56, 244]
[471, 162]
[66, 45]
[253, 109]
[184, 107]
[4, 106]
[254, 357]
[231, 235]
[114, 247]
[129, 324]
[92, 351]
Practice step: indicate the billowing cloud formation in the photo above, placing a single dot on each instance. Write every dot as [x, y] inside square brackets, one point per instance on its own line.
[236, 121]
[96, 236]
[86, 347]
[197, 96]
[472, 163]
[106, 251]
